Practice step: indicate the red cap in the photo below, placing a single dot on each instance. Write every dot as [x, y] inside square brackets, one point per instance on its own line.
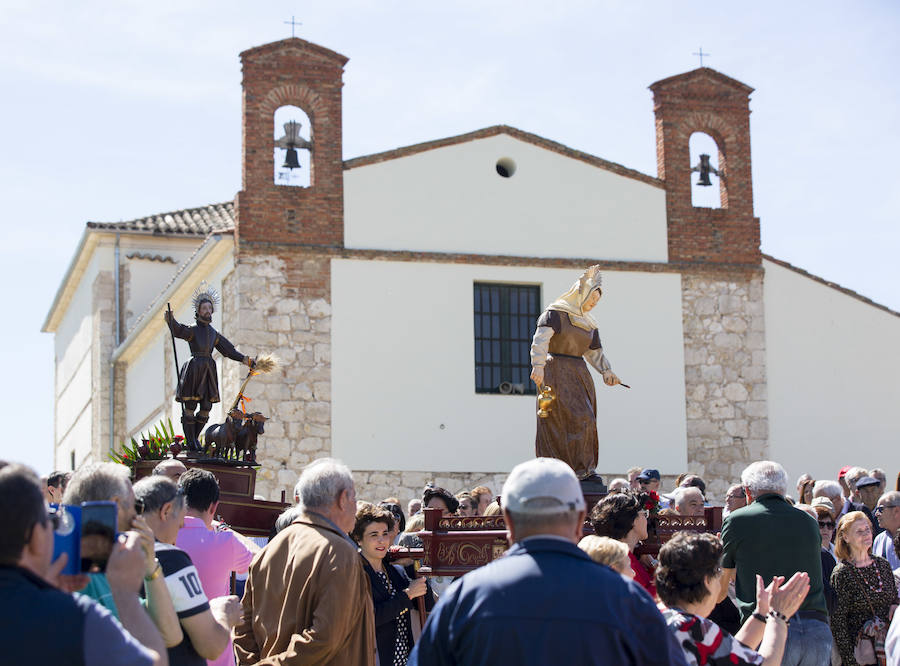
[844, 471]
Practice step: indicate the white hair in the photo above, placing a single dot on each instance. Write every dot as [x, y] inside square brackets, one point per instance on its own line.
[98, 482]
[681, 493]
[853, 475]
[765, 476]
[807, 509]
[618, 484]
[827, 488]
[322, 482]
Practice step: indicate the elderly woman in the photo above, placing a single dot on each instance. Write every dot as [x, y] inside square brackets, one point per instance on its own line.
[688, 580]
[864, 585]
[610, 552]
[622, 516]
[392, 590]
[565, 337]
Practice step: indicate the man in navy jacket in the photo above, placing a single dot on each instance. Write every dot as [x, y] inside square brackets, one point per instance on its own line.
[545, 601]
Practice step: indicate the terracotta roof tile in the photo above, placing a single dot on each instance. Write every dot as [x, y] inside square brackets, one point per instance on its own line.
[187, 222]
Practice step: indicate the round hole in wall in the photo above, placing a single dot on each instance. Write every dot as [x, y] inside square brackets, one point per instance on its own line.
[506, 167]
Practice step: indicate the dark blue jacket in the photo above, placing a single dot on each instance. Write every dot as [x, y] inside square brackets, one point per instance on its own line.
[388, 607]
[40, 623]
[546, 602]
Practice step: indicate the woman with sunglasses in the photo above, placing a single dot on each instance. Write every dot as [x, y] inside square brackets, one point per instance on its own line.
[826, 530]
[622, 516]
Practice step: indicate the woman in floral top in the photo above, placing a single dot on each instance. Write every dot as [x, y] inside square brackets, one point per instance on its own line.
[687, 581]
[862, 582]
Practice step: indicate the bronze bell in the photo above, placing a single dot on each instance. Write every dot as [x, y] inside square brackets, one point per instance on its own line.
[290, 159]
[704, 168]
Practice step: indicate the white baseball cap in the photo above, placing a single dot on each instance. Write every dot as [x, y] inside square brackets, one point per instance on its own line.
[542, 486]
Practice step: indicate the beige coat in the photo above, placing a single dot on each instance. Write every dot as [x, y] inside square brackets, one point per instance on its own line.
[307, 601]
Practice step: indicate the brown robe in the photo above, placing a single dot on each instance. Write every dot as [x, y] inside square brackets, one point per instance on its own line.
[307, 601]
[198, 380]
[570, 432]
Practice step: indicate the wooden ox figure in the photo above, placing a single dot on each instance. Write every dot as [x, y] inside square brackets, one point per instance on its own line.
[245, 440]
[223, 436]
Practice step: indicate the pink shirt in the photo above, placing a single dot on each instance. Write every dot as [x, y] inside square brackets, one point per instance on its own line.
[215, 555]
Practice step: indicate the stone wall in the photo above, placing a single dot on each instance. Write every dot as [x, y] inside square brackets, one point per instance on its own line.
[265, 310]
[102, 346]
[725, 376]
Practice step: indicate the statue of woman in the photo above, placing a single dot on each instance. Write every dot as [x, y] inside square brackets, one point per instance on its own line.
[566, 336]
[198, 384]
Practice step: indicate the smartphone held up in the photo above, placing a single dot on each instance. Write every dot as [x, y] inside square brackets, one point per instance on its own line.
[86, 533]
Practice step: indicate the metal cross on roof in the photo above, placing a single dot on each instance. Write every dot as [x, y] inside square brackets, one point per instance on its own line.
[701, 54]
[292, 23]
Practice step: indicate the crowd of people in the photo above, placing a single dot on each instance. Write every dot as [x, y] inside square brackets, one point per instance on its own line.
[805, 580]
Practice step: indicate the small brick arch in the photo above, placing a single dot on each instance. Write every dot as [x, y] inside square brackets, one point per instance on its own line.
[292, 95]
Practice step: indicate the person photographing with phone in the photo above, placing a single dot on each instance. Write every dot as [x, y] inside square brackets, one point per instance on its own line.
[41, 621]
[109, 482]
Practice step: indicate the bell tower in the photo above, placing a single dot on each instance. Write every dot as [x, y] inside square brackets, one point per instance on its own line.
[291, 73]
[705, 101]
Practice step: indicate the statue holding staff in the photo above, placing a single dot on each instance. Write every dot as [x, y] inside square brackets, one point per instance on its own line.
[198, 384]
[565, 338]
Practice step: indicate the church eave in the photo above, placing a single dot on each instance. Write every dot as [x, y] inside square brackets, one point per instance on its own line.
[828, 283]
[496, 130]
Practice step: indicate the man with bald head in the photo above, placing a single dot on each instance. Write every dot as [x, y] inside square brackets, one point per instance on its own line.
[171, 469]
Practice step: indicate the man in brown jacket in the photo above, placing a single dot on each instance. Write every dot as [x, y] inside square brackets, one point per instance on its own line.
[308, 599]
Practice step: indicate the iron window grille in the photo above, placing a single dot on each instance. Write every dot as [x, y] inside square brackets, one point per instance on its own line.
[505, 317]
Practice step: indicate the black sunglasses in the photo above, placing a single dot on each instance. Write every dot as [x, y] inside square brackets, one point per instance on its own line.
[826, 523]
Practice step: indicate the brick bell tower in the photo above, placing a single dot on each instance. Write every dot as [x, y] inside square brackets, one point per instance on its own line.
[716, 251]
[297, 73]
[278, 297]
[703, 100]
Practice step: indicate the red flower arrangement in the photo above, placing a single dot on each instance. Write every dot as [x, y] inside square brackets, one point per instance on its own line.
[652, 503]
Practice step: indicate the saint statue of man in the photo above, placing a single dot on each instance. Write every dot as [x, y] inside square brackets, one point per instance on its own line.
[198, 382]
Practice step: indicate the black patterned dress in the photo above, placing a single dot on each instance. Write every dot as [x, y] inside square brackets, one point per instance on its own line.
[858, 591]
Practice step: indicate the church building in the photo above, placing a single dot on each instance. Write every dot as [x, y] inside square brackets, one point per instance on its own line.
[400, 292]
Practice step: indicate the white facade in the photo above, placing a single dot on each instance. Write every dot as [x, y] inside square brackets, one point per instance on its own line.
[833, 369]
[75, 381]
[451, 199]
[403, 358]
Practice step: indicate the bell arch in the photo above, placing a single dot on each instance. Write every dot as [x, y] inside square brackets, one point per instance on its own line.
[707, 169]
[293, 147]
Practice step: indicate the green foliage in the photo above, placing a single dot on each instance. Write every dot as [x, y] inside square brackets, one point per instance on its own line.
[153, 446]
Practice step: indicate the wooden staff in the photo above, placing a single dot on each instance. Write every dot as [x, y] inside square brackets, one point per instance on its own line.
[175, 352]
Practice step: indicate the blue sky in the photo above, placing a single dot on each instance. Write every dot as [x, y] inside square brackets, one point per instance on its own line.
[117, 110]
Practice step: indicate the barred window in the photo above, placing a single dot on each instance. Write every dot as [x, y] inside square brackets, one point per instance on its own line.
[505, 316]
